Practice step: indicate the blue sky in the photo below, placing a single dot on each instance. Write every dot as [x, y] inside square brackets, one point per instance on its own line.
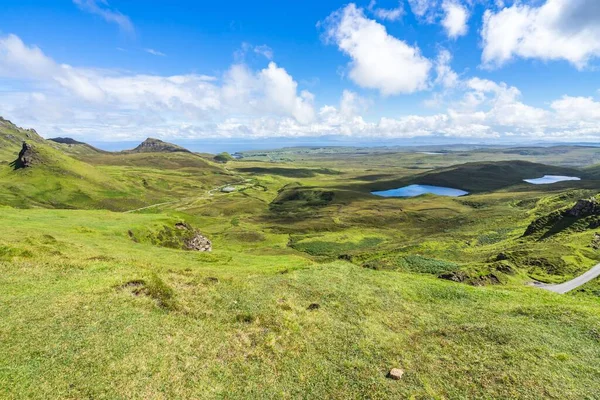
[470, 70]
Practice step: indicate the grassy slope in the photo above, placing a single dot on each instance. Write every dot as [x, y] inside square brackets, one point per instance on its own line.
[57, 180]
[65, 177]
[67, 324]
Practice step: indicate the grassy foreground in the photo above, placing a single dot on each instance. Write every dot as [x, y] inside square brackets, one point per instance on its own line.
[86, 312]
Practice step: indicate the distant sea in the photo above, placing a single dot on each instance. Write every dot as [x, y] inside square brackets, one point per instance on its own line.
[215, 146]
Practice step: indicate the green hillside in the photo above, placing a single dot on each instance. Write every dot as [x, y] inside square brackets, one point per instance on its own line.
[76, 175]
[314, 287]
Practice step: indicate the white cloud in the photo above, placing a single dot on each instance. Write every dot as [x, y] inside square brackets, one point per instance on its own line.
[455, 18]
[556, 30]
[387, 14]
[421, 8]
[265, 51]
[106, 94]
[101, 8]
[281, 94]
[155, 52]
[96, 104]
[583, 109]
[446, 77]
[240, 54]
[379, 60]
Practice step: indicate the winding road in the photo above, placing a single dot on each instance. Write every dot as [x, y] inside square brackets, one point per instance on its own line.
[563, 288]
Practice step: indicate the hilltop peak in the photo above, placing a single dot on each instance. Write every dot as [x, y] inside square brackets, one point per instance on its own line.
[65, 140]
[151, 145]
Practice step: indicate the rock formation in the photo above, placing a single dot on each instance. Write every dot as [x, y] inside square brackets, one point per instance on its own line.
[585, 208]
[27, 157]
[585, 214]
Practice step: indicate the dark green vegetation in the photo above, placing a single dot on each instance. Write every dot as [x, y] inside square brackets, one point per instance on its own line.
[314, 289]
[482, 176]
[223, 158]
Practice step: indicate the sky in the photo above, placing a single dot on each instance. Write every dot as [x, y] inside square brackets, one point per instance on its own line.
[372, 71]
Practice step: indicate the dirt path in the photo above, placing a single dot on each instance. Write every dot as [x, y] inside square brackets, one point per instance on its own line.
[563, 288]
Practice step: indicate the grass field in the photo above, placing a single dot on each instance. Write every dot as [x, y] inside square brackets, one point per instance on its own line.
[315, 288]
[237, 324]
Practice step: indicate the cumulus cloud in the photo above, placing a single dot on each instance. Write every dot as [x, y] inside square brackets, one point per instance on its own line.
[97, 104]
[446, 77]
[583, 109]
[421, 8]
[455, 18]
[556, 30]
[102, 9]
[387, 14]
[107, 94]
[379, 60]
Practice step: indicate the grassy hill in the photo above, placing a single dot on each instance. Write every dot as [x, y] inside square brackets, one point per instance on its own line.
[75, 148]
[152, 145]
[12, 138]
[68, 174]
[58, 180]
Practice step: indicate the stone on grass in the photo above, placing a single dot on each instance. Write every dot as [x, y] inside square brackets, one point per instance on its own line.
[396, 374]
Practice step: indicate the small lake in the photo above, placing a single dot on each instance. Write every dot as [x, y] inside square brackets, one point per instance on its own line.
[548, 179]
[431, 153]
[417, 190]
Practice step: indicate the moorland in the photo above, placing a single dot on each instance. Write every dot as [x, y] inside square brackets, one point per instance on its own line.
[313, 288]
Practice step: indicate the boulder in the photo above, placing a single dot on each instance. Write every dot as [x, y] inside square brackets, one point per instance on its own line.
[596, 241]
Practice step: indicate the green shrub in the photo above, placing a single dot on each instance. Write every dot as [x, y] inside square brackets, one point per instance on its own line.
[164, 295]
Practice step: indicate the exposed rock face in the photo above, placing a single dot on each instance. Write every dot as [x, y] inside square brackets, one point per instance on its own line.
[27, 157]
[596, 242]
[151, 145]
[585, 214]
[195, 241]
[585, 208]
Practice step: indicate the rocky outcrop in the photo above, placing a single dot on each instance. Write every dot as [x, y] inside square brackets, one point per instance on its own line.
[585, 214]
[193, 239]
[27, 158]
[596, 242]
[585, 208]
